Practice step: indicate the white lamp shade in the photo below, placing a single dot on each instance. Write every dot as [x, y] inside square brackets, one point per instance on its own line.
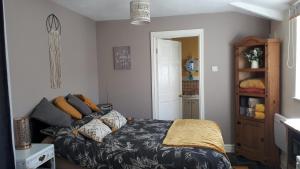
[140, 12]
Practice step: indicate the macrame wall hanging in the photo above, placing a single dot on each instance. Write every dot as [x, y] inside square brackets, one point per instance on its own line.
[54, 31]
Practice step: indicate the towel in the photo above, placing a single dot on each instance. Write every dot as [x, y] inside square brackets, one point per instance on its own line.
[259, 115]
[253, 83]
[260, 107]
[252, 101]
[252, 90]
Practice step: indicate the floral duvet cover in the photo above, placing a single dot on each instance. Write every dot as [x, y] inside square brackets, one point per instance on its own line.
[134, 146]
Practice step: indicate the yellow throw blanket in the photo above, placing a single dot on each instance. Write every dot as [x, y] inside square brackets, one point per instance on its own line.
[195, 133]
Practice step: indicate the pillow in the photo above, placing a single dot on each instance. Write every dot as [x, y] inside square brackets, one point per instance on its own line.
[95, 130]
[61, 103]
[49, 114]
[89, 102]
[50, 131]
[79, 105]
[54, 131]
[105, 108]
[253, 83]
[114, 120]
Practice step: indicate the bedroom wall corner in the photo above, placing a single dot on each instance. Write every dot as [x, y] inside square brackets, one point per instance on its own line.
[27, 46]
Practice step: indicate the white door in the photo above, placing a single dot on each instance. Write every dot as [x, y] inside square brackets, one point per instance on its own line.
[169, 79]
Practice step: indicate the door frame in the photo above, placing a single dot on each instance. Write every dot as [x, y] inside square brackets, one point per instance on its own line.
[6, 83]
[154, 65]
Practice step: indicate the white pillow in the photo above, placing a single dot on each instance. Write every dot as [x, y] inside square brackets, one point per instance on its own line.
[114, 120]
[95, 130]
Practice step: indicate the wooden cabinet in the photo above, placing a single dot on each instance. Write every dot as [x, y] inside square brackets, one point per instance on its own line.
[190, 108]
[254, 137]
[186, 109]
[195, 109]
[250, 146]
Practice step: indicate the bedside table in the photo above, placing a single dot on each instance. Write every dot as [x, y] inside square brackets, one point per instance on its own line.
[34, 157]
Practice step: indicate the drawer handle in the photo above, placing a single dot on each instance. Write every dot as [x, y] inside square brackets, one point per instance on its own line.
[42, 158]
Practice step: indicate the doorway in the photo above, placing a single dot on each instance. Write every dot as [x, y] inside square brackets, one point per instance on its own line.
[177, 74]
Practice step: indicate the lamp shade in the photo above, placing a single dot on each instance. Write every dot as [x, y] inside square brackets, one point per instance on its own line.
[22, 133]
[140, 12]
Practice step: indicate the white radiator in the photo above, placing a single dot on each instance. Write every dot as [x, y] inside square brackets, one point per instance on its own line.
[280, 132]
[298, 162]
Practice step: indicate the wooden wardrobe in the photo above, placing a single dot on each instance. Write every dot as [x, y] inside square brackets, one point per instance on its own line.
[254, 138]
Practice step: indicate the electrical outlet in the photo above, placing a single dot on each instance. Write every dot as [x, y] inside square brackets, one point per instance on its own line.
[214, 68]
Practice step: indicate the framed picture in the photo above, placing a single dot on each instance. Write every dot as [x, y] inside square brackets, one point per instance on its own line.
[122, 60]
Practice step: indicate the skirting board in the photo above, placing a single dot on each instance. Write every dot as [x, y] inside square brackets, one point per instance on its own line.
[229, 148]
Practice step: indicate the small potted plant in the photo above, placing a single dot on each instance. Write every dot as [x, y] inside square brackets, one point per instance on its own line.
[254, 56]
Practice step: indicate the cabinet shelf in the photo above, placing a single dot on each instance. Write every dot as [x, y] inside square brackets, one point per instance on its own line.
[251, 70]
[252, 119]
[252, 94]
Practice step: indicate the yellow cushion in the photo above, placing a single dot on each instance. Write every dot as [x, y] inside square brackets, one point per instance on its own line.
[61, 103]
[253, 83]
[259, 115]
[89, 102]
[260, 107]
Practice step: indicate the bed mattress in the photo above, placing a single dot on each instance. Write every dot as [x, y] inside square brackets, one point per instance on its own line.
[134, 146]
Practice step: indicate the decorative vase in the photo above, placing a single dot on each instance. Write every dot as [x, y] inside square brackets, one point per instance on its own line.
[191, 76]
[254, 64]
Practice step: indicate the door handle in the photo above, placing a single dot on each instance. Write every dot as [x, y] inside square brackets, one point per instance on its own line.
[180, 95]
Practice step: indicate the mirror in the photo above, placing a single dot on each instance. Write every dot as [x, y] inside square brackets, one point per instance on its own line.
[191, 65]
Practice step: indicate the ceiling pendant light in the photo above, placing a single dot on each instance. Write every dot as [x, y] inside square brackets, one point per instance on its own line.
[140, 12]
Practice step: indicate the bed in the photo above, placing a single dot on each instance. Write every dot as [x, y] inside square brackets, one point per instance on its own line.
[134, 146]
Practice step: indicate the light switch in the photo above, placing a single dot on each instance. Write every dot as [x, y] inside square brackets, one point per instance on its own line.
[214, 68]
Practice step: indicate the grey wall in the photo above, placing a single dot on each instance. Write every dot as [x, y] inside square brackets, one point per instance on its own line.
[130, 90]
[289, 106]
[29, 59]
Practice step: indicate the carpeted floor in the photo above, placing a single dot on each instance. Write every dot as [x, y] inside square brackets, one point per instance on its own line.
[240, 167]
[242, 163]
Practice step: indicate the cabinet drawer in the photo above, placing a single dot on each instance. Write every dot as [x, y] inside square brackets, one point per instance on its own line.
[40, 158]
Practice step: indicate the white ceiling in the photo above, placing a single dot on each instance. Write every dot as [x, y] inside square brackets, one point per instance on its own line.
[101, 10]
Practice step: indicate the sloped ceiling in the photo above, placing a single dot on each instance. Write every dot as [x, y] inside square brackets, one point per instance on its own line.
[100, 10]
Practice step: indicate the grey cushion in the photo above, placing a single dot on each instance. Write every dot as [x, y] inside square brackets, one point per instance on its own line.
[49, 114]
[79, 105]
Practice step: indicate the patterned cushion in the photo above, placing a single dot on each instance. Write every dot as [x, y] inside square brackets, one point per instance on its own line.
[114, 120]
[95, 130]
